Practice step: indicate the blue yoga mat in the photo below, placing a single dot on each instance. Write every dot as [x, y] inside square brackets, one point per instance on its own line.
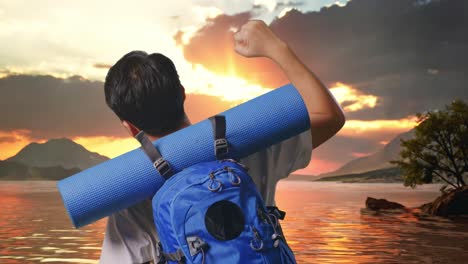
[130, 178]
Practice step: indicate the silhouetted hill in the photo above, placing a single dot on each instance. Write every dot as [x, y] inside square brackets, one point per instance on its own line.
[376, 161]
[387, 175]
[57, 152]
[10, 170]
[299, 177]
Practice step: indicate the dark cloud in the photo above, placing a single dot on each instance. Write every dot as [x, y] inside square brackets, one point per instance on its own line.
[410, 54]
[102, 66]
[407, 93]
[50, 107]
[5, 71]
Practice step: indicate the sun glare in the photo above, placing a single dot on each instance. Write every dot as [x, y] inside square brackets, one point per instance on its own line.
[108, 146]
[227, 87]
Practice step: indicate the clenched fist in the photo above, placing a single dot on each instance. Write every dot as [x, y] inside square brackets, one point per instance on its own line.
[255, 39]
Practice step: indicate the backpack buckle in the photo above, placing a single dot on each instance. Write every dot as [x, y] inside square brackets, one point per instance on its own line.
[273, 210]
[196, 245]
[162, 166]
[221, 147]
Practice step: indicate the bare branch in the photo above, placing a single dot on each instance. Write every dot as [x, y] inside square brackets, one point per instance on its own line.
[444, 179]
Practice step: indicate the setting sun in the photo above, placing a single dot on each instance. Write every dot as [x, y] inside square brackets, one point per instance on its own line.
[228, 87]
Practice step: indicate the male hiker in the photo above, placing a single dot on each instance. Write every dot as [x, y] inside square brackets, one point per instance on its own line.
[145, 93]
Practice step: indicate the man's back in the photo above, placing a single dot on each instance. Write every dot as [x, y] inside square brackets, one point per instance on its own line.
[131, 236]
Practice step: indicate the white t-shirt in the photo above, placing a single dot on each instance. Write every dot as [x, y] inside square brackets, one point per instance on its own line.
[131, 236]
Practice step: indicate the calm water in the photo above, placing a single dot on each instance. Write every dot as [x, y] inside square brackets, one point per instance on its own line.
[325, 223]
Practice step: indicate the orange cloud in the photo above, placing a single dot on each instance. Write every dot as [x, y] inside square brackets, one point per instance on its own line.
[13, 141]
[102, 66]
[360, 127]
[384, 142]
[360, 154]
[381, 131]
[213, 47]
[351, 98]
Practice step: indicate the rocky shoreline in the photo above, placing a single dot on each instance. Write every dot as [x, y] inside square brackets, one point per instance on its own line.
[452, 203]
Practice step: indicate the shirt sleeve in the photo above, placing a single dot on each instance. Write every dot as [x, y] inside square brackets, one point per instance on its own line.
[272, 164]
[292, 154]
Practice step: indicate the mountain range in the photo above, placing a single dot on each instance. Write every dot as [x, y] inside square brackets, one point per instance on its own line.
[376, 161]
[53, 160]
[387, 175]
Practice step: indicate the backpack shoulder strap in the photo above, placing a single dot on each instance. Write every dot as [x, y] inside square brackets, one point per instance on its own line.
[159, 163]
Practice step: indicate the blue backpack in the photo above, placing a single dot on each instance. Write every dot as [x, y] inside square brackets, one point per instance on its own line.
[212, 211]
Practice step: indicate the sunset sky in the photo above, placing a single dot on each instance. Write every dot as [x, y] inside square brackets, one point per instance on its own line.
[381, 64]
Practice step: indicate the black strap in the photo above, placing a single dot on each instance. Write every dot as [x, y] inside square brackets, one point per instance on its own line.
[277, 212]
[219, 126]
[159, 163]
[221, 147]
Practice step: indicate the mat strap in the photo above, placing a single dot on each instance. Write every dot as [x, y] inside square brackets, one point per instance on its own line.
[159, 163]
[221, 146]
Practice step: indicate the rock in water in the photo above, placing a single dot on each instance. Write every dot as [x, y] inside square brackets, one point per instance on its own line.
[452, 203]
[381, 204]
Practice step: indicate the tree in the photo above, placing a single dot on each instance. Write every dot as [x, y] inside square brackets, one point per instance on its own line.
[439, 149]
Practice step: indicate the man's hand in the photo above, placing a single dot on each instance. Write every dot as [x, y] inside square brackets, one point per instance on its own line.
[255, 39]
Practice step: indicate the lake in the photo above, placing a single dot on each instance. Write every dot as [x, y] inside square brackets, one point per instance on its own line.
[325, 223]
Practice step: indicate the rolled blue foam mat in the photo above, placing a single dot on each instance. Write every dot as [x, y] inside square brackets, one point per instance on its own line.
[123, 181]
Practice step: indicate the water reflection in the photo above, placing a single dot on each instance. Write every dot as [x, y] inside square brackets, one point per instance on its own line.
[35, 228]
[340, 231]
[325, 223]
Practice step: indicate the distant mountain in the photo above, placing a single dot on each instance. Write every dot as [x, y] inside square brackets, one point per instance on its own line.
[57, 153]
[387, 175]
[10, 170]
[299, 177]
[376, 161]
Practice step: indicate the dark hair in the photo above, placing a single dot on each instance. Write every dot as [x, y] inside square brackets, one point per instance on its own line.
[146, 91]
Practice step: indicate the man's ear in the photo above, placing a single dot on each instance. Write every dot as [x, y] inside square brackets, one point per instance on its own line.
[132, 129]
[183, 91]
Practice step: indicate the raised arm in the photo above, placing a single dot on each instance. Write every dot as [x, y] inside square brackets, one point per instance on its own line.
[255, 39]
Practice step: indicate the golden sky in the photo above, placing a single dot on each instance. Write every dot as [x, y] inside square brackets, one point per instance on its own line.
[63, 39]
